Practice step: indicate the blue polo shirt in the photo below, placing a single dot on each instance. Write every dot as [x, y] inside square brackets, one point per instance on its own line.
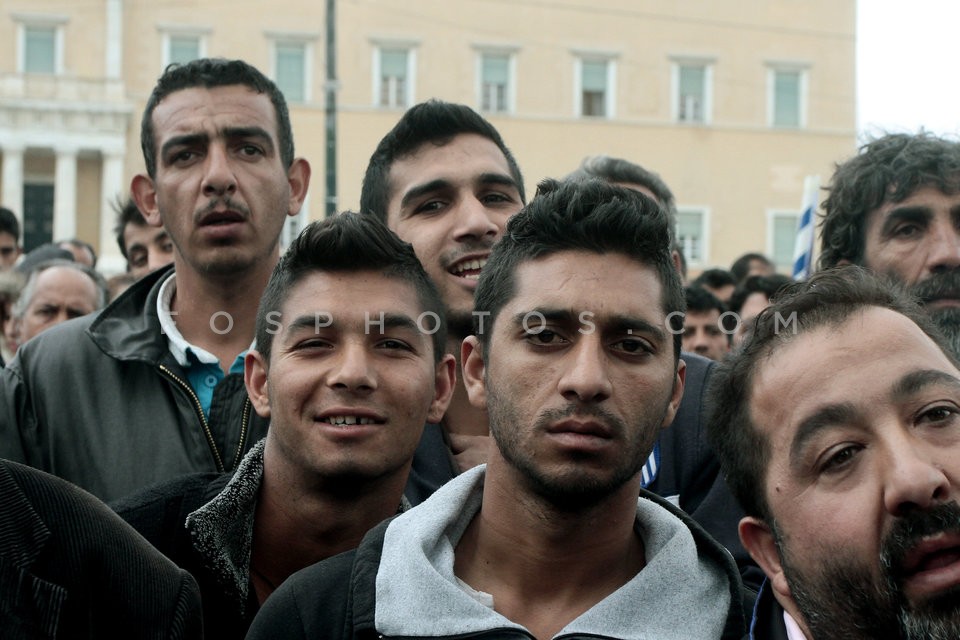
[202, 367]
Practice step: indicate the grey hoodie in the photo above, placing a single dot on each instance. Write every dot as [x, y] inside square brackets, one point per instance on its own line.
[681, 593]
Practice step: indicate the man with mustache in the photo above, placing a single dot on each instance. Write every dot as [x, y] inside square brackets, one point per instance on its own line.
[549, 538]
[894, 208]
[838, 427]
[152, 387]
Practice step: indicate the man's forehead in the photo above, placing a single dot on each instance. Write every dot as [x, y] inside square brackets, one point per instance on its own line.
[353, 292]
[540, 282]
[427, 161]
[234, 104]
[858, 361]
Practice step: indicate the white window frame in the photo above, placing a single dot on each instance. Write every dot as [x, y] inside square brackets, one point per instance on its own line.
[410, 90]
[170, 31]
[707, 108]
[305, 39]
[511, 53]
[772, 215]
[705, 215]
[610, 104]
[40, 21]
[772, 69]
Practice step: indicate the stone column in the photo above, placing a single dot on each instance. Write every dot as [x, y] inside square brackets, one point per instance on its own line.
[111, 189]
[12, 196]
[65, 195]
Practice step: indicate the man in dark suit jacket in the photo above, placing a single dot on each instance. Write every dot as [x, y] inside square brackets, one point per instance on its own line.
[71, 568]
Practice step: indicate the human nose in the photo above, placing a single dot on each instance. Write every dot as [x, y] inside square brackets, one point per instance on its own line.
[353, 369]
[586, 378]
[474, 220]
[945, 248]
[913, 480]
[218, 179]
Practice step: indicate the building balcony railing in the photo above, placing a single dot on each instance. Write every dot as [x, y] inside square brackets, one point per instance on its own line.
[61, 88]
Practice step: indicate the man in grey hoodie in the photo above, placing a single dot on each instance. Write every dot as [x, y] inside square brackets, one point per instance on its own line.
[575, 357]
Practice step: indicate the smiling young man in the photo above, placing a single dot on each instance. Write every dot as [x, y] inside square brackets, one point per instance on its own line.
[894, 208]
[152, 387]
[349, 365]
[549, 538]
[838, 427]
[445, 182]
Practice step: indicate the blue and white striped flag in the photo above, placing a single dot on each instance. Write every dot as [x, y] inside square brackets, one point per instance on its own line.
[806, 229]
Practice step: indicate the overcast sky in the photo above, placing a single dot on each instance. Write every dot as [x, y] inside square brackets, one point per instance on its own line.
[907, 73]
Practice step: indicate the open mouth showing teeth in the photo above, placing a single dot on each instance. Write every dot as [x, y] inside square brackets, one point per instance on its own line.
[348, 420]
[468, 268]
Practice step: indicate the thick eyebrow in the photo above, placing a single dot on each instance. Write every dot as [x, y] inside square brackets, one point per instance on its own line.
[630, 324]
[393, 321]
[826, 417]
[230, 133]
[422, 189]
[498, 179]
[186, 140]
[917, 381]
[908, 213]
[240, 133]
[618, 323]
[440, 184]
[833, 415]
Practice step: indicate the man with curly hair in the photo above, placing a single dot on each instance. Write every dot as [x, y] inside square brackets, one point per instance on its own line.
[894, 208]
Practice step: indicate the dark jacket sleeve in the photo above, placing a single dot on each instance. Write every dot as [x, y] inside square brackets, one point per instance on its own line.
[16, 419]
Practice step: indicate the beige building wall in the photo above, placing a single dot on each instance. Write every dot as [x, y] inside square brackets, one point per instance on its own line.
[734, 168]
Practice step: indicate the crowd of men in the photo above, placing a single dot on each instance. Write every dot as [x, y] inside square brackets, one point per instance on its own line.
[456, 413]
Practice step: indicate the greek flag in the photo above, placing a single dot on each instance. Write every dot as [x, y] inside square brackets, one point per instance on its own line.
[803, 248]
[651, 468]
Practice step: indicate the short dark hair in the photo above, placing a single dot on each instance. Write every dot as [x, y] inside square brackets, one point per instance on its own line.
[348, 242]
[619, 170]
[741, 266]
[435, 122]
[593, 216]
[699, 299]
[714, 278]
[769, 286]
[827, 299]
[9, 223]
[886, 169]
[210, 73]
[127, 213]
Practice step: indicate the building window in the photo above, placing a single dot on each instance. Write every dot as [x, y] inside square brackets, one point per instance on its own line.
[290, 70]
[782, 238]
[182, 49]
[40, 50]
[393, 77]
[692, 235]
[692, 99]
[596, 79]
[182, 43]
[786, 98]
[495, 82]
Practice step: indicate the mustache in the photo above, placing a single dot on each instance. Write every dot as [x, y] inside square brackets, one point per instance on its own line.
[945, 284]
[908, 531]
[224, 203]
[617, 427]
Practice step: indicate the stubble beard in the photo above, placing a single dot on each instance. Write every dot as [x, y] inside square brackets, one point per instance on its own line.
[576, 488]
[844, 600]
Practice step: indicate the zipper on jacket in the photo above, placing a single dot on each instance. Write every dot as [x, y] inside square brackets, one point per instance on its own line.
[244, 421]
[203, 419]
